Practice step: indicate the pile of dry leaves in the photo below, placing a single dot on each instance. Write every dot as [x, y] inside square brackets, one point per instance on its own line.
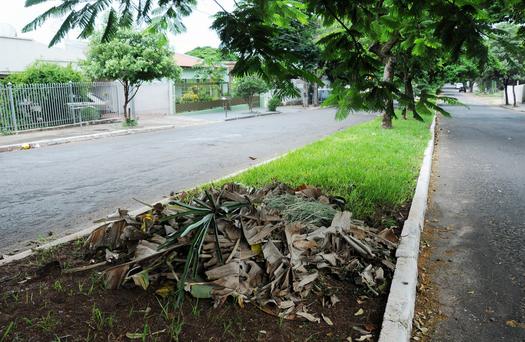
[270, 247]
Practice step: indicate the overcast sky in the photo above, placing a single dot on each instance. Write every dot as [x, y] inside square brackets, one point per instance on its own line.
[198, 32]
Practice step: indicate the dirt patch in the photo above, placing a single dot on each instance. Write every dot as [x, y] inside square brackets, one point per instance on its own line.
[427, 313]
[41, 303]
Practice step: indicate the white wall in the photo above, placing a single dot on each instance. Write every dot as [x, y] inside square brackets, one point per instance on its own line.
[518, 89]
[17, 53]
[152, 98]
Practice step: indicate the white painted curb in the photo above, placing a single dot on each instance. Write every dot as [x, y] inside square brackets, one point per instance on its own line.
[399, 312]
[139, 211]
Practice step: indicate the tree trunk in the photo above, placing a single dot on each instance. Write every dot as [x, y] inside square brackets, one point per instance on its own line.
[404, 113]
[305, 94]
[505, 83]
[388, 76]
[126, 100]
[409, 92]
[514, 94]
[316, 95]
[471, 86]
[249, 100]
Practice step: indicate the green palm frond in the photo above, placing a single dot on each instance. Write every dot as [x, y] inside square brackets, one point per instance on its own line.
[163, 15]
[55, 11]
[66, 26]
[111, 27]
[88, 16]
[145, 11]
[126, 16]
[34, 2]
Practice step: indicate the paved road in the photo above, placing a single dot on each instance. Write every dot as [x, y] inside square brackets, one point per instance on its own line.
[63, 188]
[478, 213]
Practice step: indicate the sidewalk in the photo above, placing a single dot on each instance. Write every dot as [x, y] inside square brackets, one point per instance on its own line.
[146, 123]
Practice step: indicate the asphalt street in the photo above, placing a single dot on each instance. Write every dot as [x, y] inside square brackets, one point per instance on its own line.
[63, 188]
[478, 214]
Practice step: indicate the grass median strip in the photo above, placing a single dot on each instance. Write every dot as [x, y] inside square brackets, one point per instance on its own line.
[374, 169]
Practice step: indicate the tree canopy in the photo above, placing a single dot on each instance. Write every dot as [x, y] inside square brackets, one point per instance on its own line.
[132, 58]
[210, 52]
[375, 53]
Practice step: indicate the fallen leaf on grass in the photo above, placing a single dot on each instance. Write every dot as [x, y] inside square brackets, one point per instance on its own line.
[327, 320]
[515, 324]
[334, 299]
[364, 338]
[359, 312]
[141, 279]
[165, 290]
[135, 336]
[370, 327]
[308, 316]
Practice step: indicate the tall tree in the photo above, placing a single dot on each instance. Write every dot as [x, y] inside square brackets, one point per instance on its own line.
[507, 49]
[131, 57]
[362, 46]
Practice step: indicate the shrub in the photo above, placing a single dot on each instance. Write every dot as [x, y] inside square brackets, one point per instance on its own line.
[190, 96]
[89, 114]
[41, 72]
[273, 103]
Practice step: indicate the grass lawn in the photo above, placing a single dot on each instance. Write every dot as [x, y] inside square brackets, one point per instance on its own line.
[374, 169]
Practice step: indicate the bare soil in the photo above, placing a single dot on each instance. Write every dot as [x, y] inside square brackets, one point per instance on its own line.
[39, 302]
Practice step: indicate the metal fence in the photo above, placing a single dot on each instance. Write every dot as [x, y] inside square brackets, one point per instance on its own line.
[36, 106]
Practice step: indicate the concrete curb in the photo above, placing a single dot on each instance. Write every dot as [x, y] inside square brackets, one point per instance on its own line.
[74, 236]
[399, 312]
[510, 107]
[252, 116]
[58, 141]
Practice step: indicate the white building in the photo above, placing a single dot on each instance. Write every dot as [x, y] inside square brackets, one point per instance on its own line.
[17, 53]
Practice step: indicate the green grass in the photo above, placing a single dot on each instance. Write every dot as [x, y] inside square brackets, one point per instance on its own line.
[374, 169]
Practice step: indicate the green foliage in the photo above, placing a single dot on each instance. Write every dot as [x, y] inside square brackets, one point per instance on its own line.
[131, 57]
[190, 96]
[211, 68]
[372, 51]
[130, 123]
[89, 114]
[160, 15]
[465, 69]
[210, 52]
[205, 213]
[273, 103]
[248, 86]
[373, 169]
[41, 72]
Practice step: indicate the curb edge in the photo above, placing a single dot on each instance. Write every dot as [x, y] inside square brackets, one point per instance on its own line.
[399, 311]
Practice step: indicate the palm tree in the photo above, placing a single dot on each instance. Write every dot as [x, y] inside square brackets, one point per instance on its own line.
[160, 15]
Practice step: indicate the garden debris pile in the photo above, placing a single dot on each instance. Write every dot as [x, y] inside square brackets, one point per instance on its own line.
[271, 247]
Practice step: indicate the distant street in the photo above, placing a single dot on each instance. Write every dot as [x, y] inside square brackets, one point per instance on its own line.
[63, 188]
[477, 219]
